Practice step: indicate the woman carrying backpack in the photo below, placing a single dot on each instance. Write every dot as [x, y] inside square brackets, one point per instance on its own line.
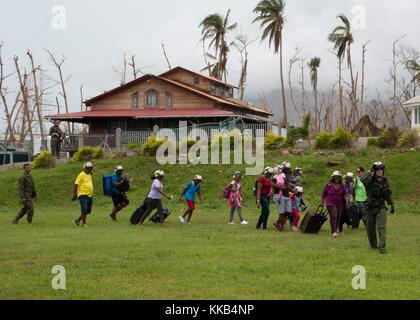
[154, 198]
[336, 199]
[236, 198]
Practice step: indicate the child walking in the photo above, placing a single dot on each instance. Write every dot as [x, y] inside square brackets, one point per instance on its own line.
[236, 198]
[189, 192]
[296, 197]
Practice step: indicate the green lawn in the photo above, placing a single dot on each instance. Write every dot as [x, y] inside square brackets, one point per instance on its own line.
[210, 259]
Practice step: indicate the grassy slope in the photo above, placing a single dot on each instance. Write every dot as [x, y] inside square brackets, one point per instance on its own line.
[209, 260]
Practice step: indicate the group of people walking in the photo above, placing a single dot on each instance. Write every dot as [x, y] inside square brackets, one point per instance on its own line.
[369, 192]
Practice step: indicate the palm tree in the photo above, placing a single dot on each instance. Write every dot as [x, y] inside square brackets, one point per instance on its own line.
[271, 17]
[342, 38]
[415, 67]
[214, 29]
[314, 64]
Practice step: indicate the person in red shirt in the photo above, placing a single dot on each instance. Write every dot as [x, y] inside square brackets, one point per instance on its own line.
[263, 197]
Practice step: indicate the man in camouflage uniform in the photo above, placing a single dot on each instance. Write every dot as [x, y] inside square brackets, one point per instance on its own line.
[56, 139]
[27, 194]
[378, 192]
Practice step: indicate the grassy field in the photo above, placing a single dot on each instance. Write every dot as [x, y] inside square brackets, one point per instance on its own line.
[209, 259]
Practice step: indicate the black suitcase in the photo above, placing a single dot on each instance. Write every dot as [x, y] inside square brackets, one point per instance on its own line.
[155, 218]
[135, 218]
[351, 217]
[313, 221]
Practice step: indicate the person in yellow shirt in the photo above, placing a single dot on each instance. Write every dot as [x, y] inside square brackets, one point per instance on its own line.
[83, 191]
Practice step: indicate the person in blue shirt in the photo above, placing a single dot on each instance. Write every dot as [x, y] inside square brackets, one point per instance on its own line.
[120, 186]
[189, 192]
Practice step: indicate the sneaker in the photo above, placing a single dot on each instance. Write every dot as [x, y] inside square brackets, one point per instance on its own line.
[244, 223]
[231, 223]
[382, 250]
[181, 219]
[76, 223]
[113, 217]
[335, 235]
[295, 229]
[85, 226]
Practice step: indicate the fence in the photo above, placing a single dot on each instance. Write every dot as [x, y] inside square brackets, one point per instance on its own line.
[73, 142]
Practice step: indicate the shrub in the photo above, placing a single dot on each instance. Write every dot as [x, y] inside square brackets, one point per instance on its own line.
[389, 139]
[300, 133]
[408, 140]
[152, 145]
[372, 142]
[323, 140]
[88, 154]
[273, 141]
[341, 139]
[45, 161]
[134, 146]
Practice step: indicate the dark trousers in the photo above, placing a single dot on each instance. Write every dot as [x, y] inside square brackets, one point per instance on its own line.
[55, 148]
[265, 212]
[362, 211]
[376, 227]
[153, 204]
[28, 209]
[335, 218]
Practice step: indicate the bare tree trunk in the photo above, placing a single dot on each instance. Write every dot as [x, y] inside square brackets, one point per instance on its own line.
[284, 122]
[38, 106]
[133, 66]
[63, 87]
[340, 89]
[362, 94]
[26, 111]
[166, 56]
[3, 94]
[292, 96]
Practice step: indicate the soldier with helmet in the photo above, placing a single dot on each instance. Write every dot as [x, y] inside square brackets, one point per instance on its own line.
[379, 194]
[57, 136]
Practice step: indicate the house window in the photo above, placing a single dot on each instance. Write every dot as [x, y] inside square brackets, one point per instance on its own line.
[231, 92]
[135, 101]
[196, 80]
[169, 101]
[213, 89]
[152, 99]
[417, 116]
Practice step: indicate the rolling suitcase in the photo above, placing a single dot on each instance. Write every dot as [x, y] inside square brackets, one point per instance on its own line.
[313, 221]
[155, 218]
[135, 218]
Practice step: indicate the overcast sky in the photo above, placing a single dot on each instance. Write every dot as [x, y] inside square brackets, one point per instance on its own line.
[98, 32]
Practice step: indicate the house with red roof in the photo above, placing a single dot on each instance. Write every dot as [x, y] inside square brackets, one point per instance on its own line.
[165, 100]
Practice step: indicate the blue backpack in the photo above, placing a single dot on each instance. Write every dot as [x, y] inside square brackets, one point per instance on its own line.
[107, 184]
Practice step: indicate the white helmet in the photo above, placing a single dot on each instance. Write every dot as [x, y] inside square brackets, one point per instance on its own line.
[337, 174]
[159, 173]
[198, 178]
[237, 173]
[287, 165]
[299, 189]
[350, 175]
[269, 170]
[119, 168]
[88, 165]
